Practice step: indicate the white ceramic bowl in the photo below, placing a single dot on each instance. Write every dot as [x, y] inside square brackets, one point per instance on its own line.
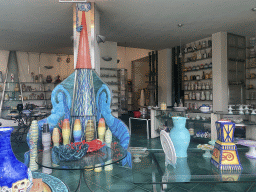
[205, 109]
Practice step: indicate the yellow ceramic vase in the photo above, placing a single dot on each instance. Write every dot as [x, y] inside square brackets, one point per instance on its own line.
[55, 137]
[89, 132]
[66, 131]
[101, 129]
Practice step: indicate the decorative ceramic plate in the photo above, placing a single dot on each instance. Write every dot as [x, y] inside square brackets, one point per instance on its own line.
[168, 147]
[51, 183]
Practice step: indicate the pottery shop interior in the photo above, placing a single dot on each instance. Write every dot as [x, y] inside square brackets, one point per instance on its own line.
[136, 96]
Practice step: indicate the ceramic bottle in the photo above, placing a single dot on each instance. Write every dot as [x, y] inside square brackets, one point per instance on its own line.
[77, 132]
[89, 132]
[66, 132]
[33, 138]
[55, 137]
[180, 136]
[101, 129]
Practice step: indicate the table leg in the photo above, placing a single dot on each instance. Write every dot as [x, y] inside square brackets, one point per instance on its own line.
[130, 128]
[147, 131]
[80, 179]
[86, 182]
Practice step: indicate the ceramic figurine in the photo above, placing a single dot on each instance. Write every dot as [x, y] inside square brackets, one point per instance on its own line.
[12, 77]
[14, 175]
[225, 154]
[77, 132]
[56, 137]
[89, 133]
[66, 132]
[180, 136]
[101, 129]
[33, 138]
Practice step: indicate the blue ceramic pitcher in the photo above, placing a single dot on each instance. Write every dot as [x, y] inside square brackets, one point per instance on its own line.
[180, 136]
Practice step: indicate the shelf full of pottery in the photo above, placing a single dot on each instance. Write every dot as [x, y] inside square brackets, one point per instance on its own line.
[197, 51]
[198, 91]
[251, 77]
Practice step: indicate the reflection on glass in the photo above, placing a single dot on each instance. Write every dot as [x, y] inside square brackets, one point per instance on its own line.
[47, 161]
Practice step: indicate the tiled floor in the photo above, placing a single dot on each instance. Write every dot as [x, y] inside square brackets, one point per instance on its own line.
[121, 178]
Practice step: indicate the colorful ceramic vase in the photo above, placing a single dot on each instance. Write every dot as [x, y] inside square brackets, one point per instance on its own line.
[108, 137]
[180, 136]
[77, 132]
[101, 129]
[225, 155]
[13, 174]
[33, 138]
[55, 137]
[89, 132]
[66, 132]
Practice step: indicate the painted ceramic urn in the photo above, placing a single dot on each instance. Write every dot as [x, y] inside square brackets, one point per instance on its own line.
[77, 132]
[180, 136]
[66, 132]
[13, 174]
[101, 129]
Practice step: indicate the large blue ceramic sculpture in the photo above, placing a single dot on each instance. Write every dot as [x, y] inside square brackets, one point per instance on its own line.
[180, 136]
[13, 173]
[85, 104]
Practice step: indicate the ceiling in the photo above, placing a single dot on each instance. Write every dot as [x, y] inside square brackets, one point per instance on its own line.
[46, 25]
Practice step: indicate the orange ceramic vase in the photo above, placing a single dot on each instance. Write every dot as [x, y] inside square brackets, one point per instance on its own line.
[101, 129]
[66, 132]
[55, 137]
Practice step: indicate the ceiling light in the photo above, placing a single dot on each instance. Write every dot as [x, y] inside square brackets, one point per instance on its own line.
[254, 8]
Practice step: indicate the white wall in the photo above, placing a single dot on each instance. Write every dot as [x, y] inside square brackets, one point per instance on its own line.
[165, 76]
[126, 55]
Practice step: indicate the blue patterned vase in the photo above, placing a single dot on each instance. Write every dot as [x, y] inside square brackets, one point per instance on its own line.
[13, 173]
[180, 136]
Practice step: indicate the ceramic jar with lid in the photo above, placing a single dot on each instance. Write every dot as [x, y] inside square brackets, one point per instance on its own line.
[189, 86]
[199, 87]
[210, 65]
[203, 86]
[193, 96]
[185, 86]
[197, 67]
[201, 66]
[202, 96]
[207, 95]
[185, 78]
[198, 77]
[207, 86]
[198, 96]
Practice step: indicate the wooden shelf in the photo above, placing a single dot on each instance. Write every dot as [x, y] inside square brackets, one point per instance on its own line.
[199, 90]
[198, 80]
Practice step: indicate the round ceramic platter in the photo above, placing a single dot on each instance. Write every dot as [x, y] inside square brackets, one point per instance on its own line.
[54, 183]
[168, 146]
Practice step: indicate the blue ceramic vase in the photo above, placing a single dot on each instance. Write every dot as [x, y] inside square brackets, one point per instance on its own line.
[180, 136]
[13, 173]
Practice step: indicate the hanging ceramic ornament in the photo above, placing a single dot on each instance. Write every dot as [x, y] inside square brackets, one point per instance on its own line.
[77, 132]
[66, 132]
[101, 129]
[89, 132]
[55, 137]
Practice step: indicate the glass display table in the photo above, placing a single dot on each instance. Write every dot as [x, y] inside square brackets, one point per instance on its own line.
[106, 156]
[195, 168]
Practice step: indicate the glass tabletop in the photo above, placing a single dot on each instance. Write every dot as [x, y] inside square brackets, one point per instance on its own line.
[107, 155]
[195, 168]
